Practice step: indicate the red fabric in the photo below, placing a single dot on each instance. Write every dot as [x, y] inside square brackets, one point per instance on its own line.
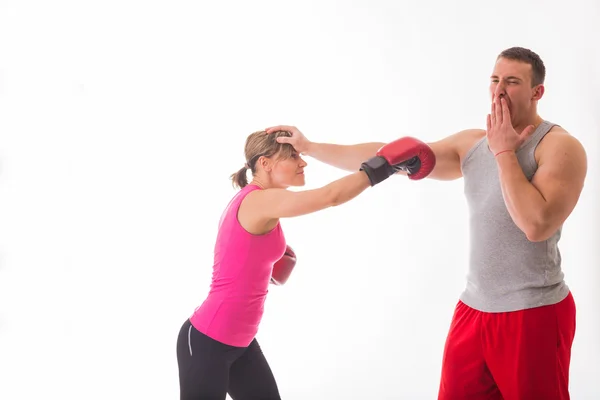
[519, 355]
[403, 150]
[283, 268]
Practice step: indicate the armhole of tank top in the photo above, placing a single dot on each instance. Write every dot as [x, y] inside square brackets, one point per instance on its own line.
[535, 141]
[536, 137]
[470, 152]
[531, 156]
[237, 217]
[238, 206]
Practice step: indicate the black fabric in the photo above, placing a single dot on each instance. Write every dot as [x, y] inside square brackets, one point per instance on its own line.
[209, 370]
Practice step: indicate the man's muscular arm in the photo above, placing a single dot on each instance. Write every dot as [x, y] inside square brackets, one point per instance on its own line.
[541, 206]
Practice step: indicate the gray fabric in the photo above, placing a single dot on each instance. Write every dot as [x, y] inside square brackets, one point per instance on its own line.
[507, 272]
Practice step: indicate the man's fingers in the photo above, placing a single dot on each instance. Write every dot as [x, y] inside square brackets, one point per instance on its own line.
[498, 108]
[505, 110]
[489, 123]
[493, 114]
[283, 139]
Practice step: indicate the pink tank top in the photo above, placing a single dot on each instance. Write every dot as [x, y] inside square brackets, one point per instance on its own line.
[242, 269]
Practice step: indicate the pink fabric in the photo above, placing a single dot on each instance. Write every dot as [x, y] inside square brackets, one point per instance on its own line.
[242, 268]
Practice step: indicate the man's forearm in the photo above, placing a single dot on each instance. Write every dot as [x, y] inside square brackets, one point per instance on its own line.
[346, 157]
[525, 203]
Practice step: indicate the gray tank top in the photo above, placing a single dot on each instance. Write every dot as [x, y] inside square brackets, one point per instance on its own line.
[506, 272]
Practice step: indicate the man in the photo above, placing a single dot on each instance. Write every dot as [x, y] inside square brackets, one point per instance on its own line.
[514, 324]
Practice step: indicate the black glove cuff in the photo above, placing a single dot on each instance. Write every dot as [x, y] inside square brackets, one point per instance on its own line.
[377, 169]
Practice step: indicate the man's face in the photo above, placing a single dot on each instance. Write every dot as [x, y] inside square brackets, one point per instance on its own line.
[512, 80]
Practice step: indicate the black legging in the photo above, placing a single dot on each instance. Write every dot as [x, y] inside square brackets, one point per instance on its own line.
[209, 369]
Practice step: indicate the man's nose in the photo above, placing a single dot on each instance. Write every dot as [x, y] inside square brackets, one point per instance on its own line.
[500, 90]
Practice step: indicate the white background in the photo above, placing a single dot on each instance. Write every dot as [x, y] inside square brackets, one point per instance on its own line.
[120, 122]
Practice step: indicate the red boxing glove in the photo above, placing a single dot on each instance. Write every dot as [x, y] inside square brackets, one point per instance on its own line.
[282, 269]
[404, 154]
[410, 155]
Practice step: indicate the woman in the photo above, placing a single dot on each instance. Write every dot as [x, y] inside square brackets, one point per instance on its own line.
[217, 351]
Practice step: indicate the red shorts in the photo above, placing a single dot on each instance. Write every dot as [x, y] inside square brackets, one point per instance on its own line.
[520, 355]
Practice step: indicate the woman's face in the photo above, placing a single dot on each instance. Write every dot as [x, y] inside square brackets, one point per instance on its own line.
[288, 171]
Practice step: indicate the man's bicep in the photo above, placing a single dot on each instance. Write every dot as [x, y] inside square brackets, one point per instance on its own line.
[560, 177]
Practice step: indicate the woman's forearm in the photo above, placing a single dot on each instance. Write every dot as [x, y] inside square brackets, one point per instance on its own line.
[346, 157]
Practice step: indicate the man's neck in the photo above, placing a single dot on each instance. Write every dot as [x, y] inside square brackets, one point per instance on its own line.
[535, 120]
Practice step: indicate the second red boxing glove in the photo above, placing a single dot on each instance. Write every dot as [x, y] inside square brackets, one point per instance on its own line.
[282, 269]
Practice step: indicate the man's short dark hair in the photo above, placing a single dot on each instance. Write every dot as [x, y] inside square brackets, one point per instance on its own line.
[538, 70]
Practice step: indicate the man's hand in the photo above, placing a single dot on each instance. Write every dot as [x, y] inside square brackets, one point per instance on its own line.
[501, 135]
[298, 140]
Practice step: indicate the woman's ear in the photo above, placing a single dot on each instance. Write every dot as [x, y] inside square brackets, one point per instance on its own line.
[265, 163]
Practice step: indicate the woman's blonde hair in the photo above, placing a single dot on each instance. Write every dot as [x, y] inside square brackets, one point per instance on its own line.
[259, 144]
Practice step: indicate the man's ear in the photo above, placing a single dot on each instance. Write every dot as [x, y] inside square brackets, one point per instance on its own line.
[538, 92]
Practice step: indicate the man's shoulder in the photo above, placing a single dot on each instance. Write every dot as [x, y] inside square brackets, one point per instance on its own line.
[558, 139]
[557, 132]
[472, 134]
[558, 136]
[466, 139]
[459, 143]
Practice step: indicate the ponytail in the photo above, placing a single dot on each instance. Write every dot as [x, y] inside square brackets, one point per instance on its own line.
[240, 178]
